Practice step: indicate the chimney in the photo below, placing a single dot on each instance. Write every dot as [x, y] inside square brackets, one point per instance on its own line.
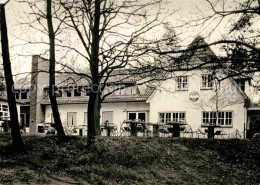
[39, 80]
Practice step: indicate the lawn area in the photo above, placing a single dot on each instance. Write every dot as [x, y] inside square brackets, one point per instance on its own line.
[127, 160]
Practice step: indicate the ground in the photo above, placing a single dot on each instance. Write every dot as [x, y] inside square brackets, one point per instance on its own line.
[127, 160]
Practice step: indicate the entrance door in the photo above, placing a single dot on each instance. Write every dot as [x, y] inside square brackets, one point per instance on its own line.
[23, 119]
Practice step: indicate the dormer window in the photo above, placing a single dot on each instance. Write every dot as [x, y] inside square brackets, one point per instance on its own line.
[59, 93]
[17, 95]
[207, 81]
[77, 91]
[69, 93]
[24, 95]
[86, 91]
[182, 83]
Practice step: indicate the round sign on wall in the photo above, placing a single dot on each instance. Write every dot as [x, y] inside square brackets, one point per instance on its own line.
[194, 96]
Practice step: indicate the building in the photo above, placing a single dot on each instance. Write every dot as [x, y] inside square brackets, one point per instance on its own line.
[188, 96]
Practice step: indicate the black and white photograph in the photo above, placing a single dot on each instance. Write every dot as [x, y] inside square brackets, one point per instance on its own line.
[130, 92]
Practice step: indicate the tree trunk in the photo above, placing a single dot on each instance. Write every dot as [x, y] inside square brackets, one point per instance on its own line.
[15, 130]
[52, 88]
[93, 117]
[94, 103]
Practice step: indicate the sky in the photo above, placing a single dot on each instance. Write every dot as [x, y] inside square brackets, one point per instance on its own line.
[183, 12]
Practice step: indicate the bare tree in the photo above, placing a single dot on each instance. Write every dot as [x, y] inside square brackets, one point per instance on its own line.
[52, 60]
[241, 43]
[111, 34]
[15, 130]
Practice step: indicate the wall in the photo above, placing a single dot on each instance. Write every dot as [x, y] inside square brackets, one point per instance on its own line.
[119, 111]
[167, 98]
[17, 105]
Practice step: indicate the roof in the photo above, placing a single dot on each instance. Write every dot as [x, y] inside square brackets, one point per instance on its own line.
[109, 99]
[196, 57]
[23, 83]
[4, 98]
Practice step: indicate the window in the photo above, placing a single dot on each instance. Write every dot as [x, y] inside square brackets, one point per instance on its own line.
[4, 107]
[86, 91]
[206, 81]
[59, 93]
[131, 90]
[161, 117]
[4, 111]
[77, 91]
[23, 95]
[52, 118]
[85, 118]
[241, 84]
[72, 118]
[164, 117]
[121, 90]
[182, 83]
[107, 116]
[69, 93]
[223, 118]
[137, 115]
[17, 95]
[228, 118]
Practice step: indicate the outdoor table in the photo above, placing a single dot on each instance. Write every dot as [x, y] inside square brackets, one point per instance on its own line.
[156, 127]
[174, 127]
[134, 126]
[108, 127]
[210, 130]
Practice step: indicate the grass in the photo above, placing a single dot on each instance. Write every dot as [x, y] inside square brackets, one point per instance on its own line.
[130, 160]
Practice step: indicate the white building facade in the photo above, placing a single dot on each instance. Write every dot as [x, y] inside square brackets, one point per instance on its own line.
[193, 97]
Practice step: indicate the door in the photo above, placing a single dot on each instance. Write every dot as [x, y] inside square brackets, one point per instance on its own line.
[107, 116]
[23, 119]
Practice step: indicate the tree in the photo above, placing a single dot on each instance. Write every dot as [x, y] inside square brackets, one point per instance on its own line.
[42, 21]
[241, 43]
[111, 34]
[52, 87]
[17, 141]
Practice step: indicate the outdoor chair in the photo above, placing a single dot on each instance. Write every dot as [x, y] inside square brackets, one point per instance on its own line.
[114, 131]
[125, 129]
[163, 131]
[148, 129]
[140, 128]
[187, 131]
[199, 133]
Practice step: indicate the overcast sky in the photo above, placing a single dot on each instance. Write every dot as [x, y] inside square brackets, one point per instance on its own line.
[184, 11]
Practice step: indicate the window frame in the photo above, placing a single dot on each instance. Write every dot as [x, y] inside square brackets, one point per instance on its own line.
[137, 114]
[74, 124]
[217, 120]
[85, 118]
[22, 93]
[178, 113]
[182, 82]
[77, 90]
[207, 87]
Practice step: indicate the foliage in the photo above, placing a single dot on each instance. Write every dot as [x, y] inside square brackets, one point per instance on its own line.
[131, 160]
